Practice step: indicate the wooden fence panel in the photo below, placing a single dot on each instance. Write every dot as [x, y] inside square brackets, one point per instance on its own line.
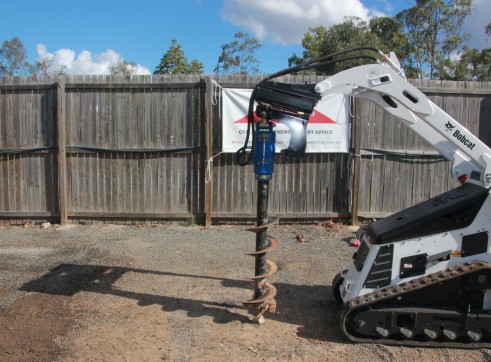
[128, 183]
[28, 172]
[107, 117]
[113, 122]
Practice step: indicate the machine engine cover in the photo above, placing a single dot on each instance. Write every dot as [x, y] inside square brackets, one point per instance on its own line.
[451, 210]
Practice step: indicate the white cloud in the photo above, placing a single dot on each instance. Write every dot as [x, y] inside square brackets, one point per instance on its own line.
[476, 22]
[85, 63]
[388, 6]
[286, 21]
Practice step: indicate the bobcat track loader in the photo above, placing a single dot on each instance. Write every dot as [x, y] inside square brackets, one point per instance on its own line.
[422, 276]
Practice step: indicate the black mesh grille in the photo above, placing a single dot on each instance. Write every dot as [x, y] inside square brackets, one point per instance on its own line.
[381, 270]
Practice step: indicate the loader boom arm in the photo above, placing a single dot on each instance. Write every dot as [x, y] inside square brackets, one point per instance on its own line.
[385, 84]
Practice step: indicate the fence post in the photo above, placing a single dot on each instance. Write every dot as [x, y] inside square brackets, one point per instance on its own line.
[209, 151]
[61, 130]
[356, 137]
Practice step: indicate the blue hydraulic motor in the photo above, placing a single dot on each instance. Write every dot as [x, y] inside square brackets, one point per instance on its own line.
[264, 150]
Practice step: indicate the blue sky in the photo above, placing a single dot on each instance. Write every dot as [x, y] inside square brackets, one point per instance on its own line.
[90, 34]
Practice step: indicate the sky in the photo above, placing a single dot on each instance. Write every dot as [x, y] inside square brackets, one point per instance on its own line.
[87, 36]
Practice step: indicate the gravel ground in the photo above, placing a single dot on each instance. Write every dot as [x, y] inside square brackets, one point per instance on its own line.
[127, 293]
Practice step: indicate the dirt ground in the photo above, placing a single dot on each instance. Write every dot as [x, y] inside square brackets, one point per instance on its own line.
[126, 293]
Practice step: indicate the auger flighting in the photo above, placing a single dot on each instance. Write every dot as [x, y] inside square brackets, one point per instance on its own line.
[263, 159]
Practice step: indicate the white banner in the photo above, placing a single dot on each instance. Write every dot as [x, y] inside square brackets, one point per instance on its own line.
[327, 130]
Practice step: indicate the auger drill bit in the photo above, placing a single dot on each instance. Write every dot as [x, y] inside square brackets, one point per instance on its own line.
[291, 106]
[263, 300]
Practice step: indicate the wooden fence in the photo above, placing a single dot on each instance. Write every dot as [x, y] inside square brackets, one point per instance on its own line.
[137, 149]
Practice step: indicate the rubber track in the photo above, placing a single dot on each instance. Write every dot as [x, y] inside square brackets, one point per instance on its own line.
[407, 287]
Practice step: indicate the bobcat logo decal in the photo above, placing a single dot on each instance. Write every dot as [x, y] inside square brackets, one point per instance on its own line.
[449, 126]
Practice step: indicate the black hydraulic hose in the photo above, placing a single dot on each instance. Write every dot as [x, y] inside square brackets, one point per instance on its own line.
[136, 150]
[355, 57]
[241, 156]
[317, 62]
[25, 150]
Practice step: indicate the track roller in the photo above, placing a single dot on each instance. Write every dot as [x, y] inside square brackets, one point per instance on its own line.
[407, 333]
[473, 336]
[450, 335]
[382, 331]
[430, 334]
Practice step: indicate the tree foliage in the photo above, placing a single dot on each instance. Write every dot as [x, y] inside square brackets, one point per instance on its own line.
[434, 28]
[380, 33]
[473, 65]
[175, 62]
[13, 58]
[427, 39]
[123, 67]
[239, 56]
[42, 67]
[393, 39]
[195, 67]
[13, 61]
[313, 43]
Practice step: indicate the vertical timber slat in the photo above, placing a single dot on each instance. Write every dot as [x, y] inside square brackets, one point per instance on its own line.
[62, 181]
[356, 129]
[209, 151]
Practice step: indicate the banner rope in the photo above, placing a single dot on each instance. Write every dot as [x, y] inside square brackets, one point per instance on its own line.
[216, 89]
[216, 99]
[209, 162]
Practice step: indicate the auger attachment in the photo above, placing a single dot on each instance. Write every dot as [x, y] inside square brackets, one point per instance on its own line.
[291, 105]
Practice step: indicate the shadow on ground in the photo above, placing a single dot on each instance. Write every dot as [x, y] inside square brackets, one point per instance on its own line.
[311, 307]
